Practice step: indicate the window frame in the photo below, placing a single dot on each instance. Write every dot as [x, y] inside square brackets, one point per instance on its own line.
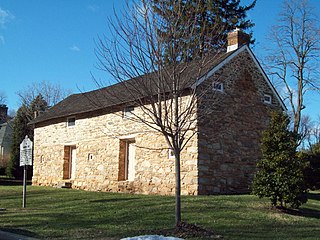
[217, 86]
[68, 121]
[128, 112]
[267, 98]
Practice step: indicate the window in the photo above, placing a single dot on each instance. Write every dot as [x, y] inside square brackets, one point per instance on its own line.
[217, 86]
[71, 121]
[128, 112]
[126, 160]
[267, 99]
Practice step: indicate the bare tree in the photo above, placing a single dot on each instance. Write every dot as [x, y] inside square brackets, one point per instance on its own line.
[167, 94]
[316, 131]
[314, 137]
[51, 93]
[293, 60]
[306, 131]
[3, 98]
[309, 132]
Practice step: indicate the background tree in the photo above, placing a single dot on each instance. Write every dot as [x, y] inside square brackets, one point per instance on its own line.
[51, 93]
[167, 96]
[34, 99]
[309, 132]
[20, 130]
[204, 35]
[315, 137]
[294, 56]
[311, 153]
[312, 172]
[306, 131]
[3, 98]
[280, 174]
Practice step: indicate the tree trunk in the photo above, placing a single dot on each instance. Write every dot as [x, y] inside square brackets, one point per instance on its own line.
[297, 116]
[178, 187]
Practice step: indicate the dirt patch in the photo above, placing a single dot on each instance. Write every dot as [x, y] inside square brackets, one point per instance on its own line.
[187, 230]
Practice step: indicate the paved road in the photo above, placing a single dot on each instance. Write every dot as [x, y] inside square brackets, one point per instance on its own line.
[12, 236]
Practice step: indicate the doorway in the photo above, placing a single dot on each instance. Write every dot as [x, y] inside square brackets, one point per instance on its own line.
[69, 164]
[127, 160]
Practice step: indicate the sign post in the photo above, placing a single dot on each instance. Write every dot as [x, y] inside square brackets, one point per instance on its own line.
[25, 160]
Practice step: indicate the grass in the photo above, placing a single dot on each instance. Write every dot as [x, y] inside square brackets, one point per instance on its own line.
[74, 214]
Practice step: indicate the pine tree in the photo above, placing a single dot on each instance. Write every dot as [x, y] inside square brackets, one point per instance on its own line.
[20, 130]
[215, 18]
[280, 174]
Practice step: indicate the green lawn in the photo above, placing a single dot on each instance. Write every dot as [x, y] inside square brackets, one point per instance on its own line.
[73, 214]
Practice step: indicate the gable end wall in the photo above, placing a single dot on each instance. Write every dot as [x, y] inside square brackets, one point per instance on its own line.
[229, 137]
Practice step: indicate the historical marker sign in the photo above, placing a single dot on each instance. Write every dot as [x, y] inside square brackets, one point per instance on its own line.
[25, 160]
[26, 152]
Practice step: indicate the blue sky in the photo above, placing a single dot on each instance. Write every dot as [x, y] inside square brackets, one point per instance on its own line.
[53, 40]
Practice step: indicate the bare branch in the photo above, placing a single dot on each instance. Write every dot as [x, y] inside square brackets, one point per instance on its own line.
[51, 93]
[3, 98]
[295, 58]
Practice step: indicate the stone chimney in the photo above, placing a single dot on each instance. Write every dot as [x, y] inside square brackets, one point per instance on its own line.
[3, 113]
[237, 39]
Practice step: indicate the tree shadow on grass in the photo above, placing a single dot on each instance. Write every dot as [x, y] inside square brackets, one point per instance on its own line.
[303, 212]
[12, 182]
[314, 196]
[19, 232]
[309, 212]
[114, 200]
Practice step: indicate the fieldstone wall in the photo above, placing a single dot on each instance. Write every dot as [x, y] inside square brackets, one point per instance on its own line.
[97, 140]
[220, 158]
[229, 136]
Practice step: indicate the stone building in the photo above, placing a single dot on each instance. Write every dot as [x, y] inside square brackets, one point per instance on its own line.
[82, 145]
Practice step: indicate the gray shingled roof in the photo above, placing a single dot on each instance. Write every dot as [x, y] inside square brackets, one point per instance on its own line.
[117, 94]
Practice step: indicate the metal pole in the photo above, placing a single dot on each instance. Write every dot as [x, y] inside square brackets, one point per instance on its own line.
[24, 186]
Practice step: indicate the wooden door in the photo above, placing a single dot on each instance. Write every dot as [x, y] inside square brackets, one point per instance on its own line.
[69, 163]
